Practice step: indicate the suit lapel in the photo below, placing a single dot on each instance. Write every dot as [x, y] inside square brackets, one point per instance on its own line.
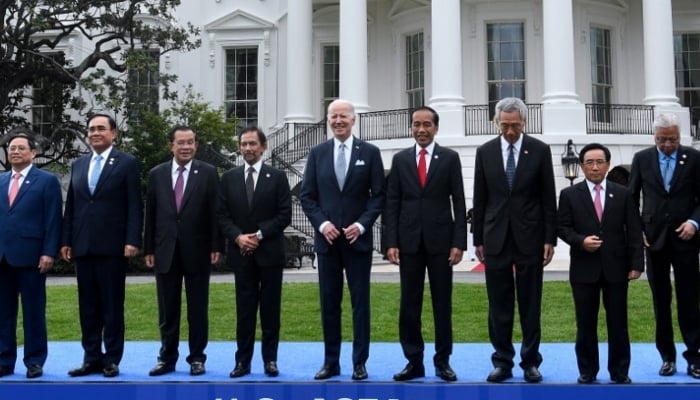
[681, 159]
[261, 186]
[108, 167]
[5, 185]
[354, 157]
[28, 180]
[585, 196]
[192, 183]
[434, 164]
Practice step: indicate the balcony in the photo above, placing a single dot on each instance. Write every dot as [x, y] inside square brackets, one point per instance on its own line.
[389, 124]
[619, 119]
[478, 121]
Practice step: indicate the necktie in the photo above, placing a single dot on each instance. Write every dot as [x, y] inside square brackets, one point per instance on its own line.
[667, 173]
[510, 166]
[597, 203]
[250, 185]
[178, 190]
[422, 167]
[14, 188]
[340, 166]
[95, 175]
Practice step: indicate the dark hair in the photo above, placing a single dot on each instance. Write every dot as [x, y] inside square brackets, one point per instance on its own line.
[594, 146]
[28, 136]
[112, 122]
[252, 128]
[436, 117]
[171, 134]
[619, 174]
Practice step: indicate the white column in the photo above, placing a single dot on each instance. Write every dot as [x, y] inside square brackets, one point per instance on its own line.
[299, 42]
[562, 112]
[558, 38]
[658, 53]
[446, 64]
[446, 59]
[353, 53]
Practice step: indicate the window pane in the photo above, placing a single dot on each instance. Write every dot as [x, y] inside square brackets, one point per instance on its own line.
[505, 66]
[241, 86]
[331, 67]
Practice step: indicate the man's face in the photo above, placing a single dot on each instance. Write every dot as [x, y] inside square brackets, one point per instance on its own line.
[667, 139]
[341, 120]
[511, 125]
[423, 127]
[594, 165]
[183, 146]
[100, 134]
[20, 154]
[250, 147]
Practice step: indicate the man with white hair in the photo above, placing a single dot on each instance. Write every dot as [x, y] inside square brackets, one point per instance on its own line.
[668, 177]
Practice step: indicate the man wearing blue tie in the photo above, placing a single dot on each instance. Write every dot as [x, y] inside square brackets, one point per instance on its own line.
[30, 233]
[668, 177]
[101, 228]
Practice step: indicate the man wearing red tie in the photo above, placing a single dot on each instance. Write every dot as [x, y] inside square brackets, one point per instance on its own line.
[426, 228]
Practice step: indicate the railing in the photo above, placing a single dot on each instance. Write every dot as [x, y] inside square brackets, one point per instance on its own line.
[276, 139]
[625, 119]
[297, 147]
[695, 122]
[478, 121]
[391, 124]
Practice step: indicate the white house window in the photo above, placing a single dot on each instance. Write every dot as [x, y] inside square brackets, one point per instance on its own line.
[331, 75]
[143, 85]
[601, 72]
[686, 49]
[505, 44]
[47, 100]
[415, 71]
[241, 86]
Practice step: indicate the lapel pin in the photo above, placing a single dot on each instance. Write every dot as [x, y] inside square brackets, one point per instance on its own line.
[524, 151]
[111, 161]
[681, 162]
[196, 171]
[436, 156]
[684, 155]
[267, 175]
[610, 195]
[27, 182]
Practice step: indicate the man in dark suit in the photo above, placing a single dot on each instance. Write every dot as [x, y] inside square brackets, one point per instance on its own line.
[426, 228]
[668, 177]
[30, 234]
[599, 221]
[342, 195]
[102, 224]
[254, 209]
[515, 223]
[181, 241]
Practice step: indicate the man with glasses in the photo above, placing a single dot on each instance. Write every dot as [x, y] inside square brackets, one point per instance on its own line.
[515, 224]
[668, 177]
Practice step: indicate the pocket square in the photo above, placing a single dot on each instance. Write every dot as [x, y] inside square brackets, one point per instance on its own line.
[359, 162]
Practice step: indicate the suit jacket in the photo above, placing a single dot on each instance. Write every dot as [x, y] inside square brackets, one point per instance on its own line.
[101, 224]
[31, 227]
[271, 213]
[361, 199]
[620, 230]
[435, 215]
[662, 211]
[194, 226]
[529, 210]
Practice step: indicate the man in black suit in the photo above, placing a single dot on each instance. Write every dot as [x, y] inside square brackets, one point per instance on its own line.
[102, 224]
[599, 221]
[342, 194]
[30, 234]
[426, 228]
[668, 177]
[254, 209]
[515, 223]
[181, 241]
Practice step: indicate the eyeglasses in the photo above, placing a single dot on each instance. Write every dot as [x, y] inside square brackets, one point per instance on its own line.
[17, 148]
[590, 163]
[662, 140]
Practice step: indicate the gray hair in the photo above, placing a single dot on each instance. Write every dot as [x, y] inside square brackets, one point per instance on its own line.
[666, 121]
[343, 102]
[510, 104]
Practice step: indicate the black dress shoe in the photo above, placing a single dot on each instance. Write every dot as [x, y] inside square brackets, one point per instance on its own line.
[532, 374]
[6, 370]
[110, 371]
[411, 371]
[586, 379]
[86, 369]
[34, 371]
[271, 368]
[240, 370]
[327, 371]
[500, 374]
[445, 372]
[668, 368]
[694, 370]
[359, 372]
[161, 368]
[621, 379]
[197, 368]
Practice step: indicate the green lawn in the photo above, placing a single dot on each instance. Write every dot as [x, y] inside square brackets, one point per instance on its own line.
[301, 320]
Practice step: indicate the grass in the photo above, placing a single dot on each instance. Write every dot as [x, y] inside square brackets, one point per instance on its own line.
[301, 313]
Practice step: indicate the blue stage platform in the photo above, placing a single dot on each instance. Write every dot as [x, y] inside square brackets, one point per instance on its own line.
[299, 361]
